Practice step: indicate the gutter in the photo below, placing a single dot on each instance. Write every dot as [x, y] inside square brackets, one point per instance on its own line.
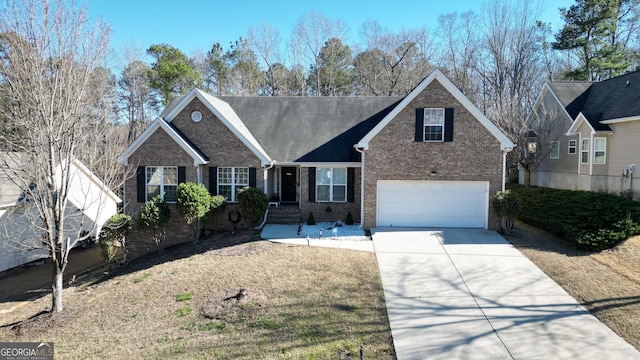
[361, 150]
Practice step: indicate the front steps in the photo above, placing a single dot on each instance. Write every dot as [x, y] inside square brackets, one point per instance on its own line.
[283, 215]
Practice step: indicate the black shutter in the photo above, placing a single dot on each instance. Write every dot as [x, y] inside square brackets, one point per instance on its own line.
[420, 125]
[181, 174]
[213, 180]
[140, 184]
[252, 177]
[312, 184]
[351, 187]
[448, 124]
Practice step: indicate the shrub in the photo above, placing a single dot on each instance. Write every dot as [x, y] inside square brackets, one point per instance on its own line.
[607, 238]
[310, 219]
[590, 220]
[507, 205]
[218, 202]
[253, 203]
[193, 202]
[349, 219]
[112, 236]
[155, 213]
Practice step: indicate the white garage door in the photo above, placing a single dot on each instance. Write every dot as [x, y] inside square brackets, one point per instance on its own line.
[463, 204]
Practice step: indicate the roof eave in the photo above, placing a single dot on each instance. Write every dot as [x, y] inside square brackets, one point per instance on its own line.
[150, 130]
[621, 120]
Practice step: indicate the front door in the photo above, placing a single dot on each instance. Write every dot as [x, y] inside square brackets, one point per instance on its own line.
[289, 180]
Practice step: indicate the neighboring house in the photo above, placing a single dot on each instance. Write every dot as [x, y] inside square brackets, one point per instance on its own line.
[90, 204]
[429, 159]
[597, 142]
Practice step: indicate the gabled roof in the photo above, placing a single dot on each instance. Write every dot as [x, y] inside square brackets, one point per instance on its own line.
[592, 119]
[227, 116]
[601, 103]
[181, 140]
[438, 76]
[95, 180]
[11, 194]
[570, 94]
[311, 129]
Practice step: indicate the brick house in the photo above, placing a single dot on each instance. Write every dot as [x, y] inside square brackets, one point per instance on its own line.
[429, 159]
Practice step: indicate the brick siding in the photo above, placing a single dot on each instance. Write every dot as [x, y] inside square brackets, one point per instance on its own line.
[473, 155]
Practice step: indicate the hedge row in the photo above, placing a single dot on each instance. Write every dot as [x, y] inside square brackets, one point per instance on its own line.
[590, 220]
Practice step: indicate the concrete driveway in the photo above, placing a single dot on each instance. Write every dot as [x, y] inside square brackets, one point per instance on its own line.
[469, 294]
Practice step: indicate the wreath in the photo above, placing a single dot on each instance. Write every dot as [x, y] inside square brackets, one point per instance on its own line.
[237, 218]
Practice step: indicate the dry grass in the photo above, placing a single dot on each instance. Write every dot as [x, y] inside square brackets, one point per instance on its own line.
[606, 283]
[298, 303]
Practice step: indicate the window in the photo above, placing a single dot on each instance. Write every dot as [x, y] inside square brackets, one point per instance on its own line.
[163, 181]
[555, 150]
[584, 151]
[231, 181]
[331, 184]
[600, 149]
[434, 125]
[572, 146]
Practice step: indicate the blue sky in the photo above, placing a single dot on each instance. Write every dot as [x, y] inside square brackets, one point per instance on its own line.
[195, 25]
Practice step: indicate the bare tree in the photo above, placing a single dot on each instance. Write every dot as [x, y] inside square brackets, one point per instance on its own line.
[51, 56]
[459, 42]
[391, 63]
[309, 37]
[511, 74]
[137, 102]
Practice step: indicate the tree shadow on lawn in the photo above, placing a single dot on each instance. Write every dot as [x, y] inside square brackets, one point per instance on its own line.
[42, 281]
[530, 237]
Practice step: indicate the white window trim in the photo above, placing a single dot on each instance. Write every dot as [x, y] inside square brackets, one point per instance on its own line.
[583, 150]
[574, 147]
[603, 151]
[161, 184]
[332, 184]
[425, 124]
[557, 143]
[233, 183]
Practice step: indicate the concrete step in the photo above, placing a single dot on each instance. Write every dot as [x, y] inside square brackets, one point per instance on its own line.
[283, 215]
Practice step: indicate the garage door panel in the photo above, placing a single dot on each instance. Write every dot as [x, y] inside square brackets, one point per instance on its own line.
[433, 203]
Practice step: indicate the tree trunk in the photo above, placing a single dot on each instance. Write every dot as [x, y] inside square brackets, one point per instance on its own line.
[56, 290]
[527, 177]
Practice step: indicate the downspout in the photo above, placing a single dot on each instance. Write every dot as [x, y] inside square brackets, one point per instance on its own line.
[504, 169]
[579, 158]
[265, 177]
[361, 151]
[505, 151]
[591, 155]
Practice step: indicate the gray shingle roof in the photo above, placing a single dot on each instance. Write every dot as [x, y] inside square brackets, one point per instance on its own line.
[10, 193]
[311, 129]
[571, 94]
[614, 98]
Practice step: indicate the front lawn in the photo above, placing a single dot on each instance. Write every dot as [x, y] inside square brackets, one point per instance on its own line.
[249, 300]
[590, 220]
